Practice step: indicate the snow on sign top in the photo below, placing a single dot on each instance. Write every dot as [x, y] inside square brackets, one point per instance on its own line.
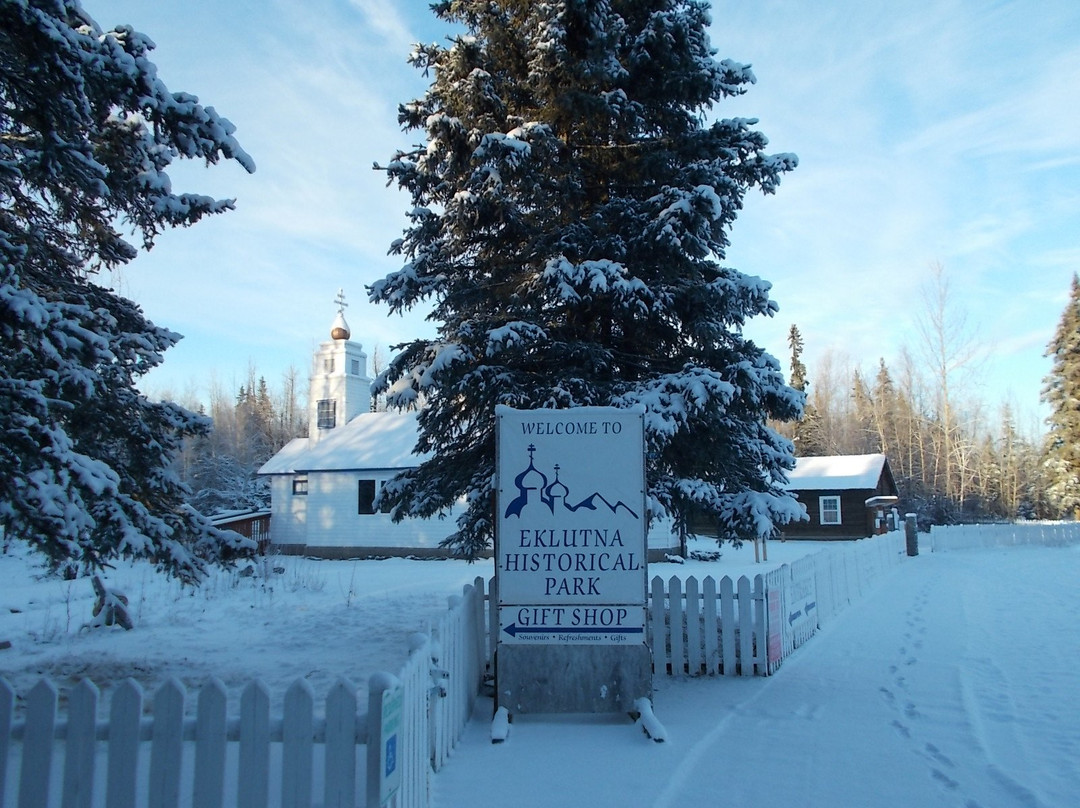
[371, 440]
[836, 472]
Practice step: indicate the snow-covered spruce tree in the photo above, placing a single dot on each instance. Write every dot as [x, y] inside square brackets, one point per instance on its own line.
[570, 208]
[1061, 391]
[87, 131]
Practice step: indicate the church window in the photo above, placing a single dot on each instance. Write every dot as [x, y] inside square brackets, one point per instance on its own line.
[366, 497]
[355, 367]
[299, 486]
[328, 365]
[326, 413]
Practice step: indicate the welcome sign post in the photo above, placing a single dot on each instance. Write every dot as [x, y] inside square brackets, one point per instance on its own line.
[571, 560]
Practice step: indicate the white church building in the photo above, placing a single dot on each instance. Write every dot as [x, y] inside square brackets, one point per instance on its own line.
[323, 487]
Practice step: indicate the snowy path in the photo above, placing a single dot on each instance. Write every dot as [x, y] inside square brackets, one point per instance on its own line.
[954, 683]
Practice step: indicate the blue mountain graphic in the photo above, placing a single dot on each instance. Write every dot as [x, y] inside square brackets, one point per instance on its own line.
[589, 503]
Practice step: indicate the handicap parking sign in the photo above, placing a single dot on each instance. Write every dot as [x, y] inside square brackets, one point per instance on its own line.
[392, 704]
[391, 756]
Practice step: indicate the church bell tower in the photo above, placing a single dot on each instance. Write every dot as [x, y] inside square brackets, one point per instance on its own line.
[340, 387]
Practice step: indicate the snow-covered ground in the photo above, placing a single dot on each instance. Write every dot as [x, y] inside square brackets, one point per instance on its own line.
[954, 683]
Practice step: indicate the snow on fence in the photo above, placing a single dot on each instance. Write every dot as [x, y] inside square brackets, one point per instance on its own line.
[744, 627]
[967, 537]
[163, 759]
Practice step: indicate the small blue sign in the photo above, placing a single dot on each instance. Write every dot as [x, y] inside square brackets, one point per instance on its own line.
[392, 704]
[391, 755]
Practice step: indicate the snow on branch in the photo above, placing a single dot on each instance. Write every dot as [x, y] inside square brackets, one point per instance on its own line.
[670, 400]
[513, 335]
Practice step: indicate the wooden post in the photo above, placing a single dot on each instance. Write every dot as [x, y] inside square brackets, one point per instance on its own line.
[912, 534]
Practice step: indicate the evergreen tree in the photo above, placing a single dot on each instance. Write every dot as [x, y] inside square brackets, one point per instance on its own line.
[798, 369]
[570, 210]
[805, 431]
[87, 132]
[884, 413]
[1061, 391]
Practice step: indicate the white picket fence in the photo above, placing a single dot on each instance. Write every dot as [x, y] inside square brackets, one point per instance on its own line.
[967, 537]
[155, 755]
[747, 628]
[164, 759]
[707, 628]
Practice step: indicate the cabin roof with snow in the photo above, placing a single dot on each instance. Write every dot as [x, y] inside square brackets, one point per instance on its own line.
[845, 496]
[371, 440]
[838, 472]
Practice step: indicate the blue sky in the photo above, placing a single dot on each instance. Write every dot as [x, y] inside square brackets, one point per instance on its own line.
[940, 132]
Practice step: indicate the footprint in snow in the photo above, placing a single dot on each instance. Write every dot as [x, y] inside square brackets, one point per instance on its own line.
[945, 780]
[936, 754]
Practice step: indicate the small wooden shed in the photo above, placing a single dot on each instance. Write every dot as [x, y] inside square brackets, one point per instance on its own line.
[254, 524]
[845, 496]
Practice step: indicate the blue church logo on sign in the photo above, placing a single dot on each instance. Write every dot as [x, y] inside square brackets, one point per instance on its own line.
[532, 485]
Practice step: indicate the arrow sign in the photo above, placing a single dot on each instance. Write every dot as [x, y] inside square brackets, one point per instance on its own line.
[513, 630]
[810, 606]
[794, 616]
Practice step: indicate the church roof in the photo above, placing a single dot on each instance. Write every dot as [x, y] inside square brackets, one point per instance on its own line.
[836, 472]
[371, 440]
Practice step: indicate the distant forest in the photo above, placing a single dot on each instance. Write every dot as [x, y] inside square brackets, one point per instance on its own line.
[954, 459]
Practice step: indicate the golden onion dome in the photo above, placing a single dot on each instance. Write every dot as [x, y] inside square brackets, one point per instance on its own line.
[340, 328]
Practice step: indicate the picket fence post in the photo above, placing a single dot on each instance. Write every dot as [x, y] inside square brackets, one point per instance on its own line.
[78, 786]
[760, 655]
[297, 745]
[38, 745]
[7, 717]
[727, 624]
[675, 612]
[253, 788]
[340, 745]
[166, 745]
[657, 617]
[210, 730]
[746, 627]
[712, 629]
[693, 628]
[125, 721]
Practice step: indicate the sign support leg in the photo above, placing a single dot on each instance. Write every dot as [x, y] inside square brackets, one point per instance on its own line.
[500, 725]
[648, 721]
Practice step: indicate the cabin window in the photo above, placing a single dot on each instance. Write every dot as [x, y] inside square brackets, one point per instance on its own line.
[299, 486]
[366, 497]
[830, 510]
[326, 414]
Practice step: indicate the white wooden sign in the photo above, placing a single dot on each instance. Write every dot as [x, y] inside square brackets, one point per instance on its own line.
[571, 554]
